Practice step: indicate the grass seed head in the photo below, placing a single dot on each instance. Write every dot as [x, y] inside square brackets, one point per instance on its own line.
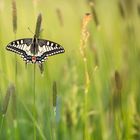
[10, 91]
[54, 93]
[116, 90]
[118, 81]
[121, 9]
[14, 15]
[38, 25]
[94, 14]
[138, 8]
[60, 17]
[84, 34]
[127, 7]
[69, 120]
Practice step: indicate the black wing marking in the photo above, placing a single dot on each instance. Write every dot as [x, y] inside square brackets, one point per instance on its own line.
[48, 48]
[21, 47]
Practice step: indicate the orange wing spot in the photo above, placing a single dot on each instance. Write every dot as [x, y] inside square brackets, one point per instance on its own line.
[33, 59]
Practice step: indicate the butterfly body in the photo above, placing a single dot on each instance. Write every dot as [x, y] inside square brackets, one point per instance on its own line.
[34, 46]
[35, 50]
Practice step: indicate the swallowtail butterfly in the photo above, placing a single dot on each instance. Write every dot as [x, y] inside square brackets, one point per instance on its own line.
[35, 50]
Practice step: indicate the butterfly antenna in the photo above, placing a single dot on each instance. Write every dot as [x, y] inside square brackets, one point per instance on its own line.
[31, 31]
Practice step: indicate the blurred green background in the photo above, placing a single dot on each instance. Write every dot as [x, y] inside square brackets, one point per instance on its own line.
[97, 79]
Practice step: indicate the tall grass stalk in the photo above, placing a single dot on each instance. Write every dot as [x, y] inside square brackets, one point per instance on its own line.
[34, 101]
[37, 33]
[84, 38]
[1, 125]
[54, 89]
[118, 113]
[14, 15]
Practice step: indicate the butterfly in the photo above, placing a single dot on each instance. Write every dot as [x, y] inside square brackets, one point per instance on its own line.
[35, 50]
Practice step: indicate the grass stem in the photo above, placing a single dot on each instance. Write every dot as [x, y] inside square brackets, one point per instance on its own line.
[34, 110]
[84, 38]
[1, 126]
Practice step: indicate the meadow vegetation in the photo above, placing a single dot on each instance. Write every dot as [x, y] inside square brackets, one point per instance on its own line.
[91, 92]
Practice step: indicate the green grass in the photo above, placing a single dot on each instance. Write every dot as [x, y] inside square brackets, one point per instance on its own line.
[97, 99]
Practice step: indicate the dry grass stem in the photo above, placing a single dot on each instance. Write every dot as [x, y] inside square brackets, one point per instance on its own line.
[84, 38]
[83, 41]
[84, 34]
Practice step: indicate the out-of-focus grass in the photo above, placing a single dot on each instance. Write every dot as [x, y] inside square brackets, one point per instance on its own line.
[112, 50]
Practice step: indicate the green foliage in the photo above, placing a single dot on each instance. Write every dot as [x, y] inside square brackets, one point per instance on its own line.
[91, 92]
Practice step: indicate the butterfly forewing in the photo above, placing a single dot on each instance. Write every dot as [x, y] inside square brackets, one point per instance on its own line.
[22, 47]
